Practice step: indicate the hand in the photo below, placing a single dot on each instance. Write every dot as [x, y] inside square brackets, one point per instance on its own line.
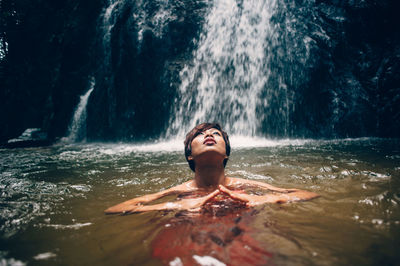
[263, 185]
[185, 204]
[253, 200]
[196, 203]
[277, 189]
[287, 190]
[129, 205]
[134, 205]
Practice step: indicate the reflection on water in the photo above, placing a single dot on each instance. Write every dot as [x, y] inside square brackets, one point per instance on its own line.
[52, 201]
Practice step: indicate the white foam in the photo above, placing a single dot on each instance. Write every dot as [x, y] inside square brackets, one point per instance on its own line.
[251, 175]
[44, 256]
[68, 226]
[157, 146]
[12, 262]
[207, 261]
[81, 187]
[176, 145]
[176, 262]
[253, 142]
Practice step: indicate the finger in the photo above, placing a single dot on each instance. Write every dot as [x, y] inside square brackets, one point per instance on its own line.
[212, 195]
[249, 204]
[237, 196]
[228, 191]
[204, 199]
[241, 197]
[134, 209]
[224, 189]
[194, 209]
[252, 204]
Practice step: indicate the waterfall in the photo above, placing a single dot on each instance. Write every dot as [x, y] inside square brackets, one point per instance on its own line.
[236, 75]
[261, 68]
[246, 69]
[77, 127]
[229, 70]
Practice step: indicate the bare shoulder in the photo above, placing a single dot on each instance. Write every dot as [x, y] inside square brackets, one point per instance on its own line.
[239, 181]
[253, 183]
[234, 181]
[184, 187]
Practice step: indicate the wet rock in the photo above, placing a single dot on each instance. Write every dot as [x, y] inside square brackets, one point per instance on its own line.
[31, 137]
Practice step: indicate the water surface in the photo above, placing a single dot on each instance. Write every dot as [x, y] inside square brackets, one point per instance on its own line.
[52, 201]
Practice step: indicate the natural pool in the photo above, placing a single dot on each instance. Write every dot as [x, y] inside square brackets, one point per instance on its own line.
[52, 201]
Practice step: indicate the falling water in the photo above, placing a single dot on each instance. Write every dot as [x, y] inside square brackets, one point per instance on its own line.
[229, 69]
[248, 63]
[77, 128]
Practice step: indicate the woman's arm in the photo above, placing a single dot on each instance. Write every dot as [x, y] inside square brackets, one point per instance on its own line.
[184, 204]
[131, 204]
[253, 183]
[253, 200]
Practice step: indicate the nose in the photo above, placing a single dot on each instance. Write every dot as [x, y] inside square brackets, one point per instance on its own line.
[208, 133]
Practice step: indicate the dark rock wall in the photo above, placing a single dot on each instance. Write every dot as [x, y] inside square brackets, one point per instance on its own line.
[50, 50]
[47, 63]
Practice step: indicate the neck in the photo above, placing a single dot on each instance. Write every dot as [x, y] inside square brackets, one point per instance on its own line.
[209, 176]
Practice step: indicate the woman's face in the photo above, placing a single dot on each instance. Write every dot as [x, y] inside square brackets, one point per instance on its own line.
[210, 140]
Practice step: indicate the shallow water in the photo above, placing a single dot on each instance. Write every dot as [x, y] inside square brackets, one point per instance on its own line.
[52, 201]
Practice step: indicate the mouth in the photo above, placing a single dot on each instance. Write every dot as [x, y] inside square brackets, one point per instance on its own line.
[209, 141]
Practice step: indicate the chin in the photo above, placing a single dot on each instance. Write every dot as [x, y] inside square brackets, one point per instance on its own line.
[211, 154]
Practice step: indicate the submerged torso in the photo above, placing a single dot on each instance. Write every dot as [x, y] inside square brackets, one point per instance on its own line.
[219, 233]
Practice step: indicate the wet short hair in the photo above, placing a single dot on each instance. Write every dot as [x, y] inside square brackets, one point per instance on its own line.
[195, 132]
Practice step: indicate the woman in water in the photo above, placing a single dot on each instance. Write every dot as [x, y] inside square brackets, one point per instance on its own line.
[207, 150]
